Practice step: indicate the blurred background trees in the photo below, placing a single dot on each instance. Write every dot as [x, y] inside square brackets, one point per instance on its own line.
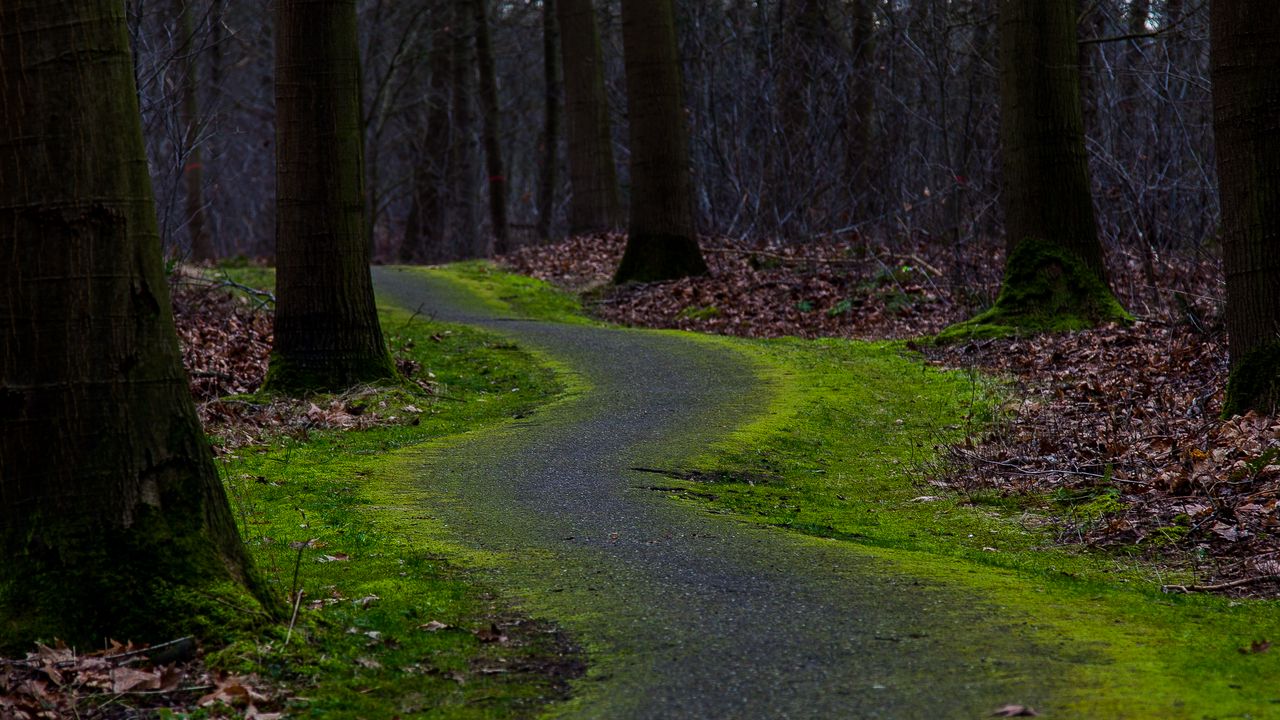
[808, 119]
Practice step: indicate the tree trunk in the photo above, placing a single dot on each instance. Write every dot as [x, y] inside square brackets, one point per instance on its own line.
[662, 243]
[193, 167]
[327, 335]
[551, 119]
[113, 521]
[593, 176]
[1055, 276]
[492, 127]
[862, 98]
[424, 234]
[467, 239]
[1246, 123]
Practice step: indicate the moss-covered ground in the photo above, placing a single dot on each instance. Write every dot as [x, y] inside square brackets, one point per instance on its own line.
[838, 454]
[387, 626]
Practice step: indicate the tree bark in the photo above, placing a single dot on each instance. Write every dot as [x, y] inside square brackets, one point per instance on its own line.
[193, 166]
[327, 335]
[424, 235]
[492, 127]
[467, 240]
[547, 180]
[593, 177]
[113, 521]
[1246, 122]
[1055, 276]
[862, 97]
[662, 243]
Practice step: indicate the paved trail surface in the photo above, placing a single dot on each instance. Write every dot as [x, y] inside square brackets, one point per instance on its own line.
[687, 614]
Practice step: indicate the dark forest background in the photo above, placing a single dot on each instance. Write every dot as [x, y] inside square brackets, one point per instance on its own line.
[807, 121]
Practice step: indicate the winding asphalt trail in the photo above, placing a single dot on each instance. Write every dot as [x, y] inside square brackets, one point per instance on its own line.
[688, 614]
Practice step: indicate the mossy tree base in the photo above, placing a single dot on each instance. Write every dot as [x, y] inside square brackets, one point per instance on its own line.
[1254, 383]
[154, 581]
[287, 375]
[653, 258]
[1045, 289]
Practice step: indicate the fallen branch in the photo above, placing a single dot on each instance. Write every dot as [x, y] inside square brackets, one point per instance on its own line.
[1220, 586]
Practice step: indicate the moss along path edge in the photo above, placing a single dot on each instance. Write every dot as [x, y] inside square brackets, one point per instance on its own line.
[686, 614]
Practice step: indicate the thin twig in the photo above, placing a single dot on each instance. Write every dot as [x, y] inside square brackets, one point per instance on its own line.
[1220, 586]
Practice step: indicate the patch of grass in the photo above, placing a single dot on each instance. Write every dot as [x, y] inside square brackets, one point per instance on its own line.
[849, 427]
[387, 626]
[524, 296]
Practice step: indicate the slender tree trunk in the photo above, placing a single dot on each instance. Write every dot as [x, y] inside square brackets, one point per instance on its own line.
[327, 335]
[1055, 276]
[113, 521]
[193, 167]
[551, 119]
[492, 127]
[424, 235]
[468, 242]
[593, 176]
[662, 243]
[862, 97]
[1246, 123]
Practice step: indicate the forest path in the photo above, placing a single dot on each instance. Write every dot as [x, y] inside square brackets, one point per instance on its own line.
[688, 614]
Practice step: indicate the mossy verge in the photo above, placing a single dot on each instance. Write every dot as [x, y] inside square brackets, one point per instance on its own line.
[1045, 289]
[518, 294]
[837, 453]
[388, 626]
[1254, 382]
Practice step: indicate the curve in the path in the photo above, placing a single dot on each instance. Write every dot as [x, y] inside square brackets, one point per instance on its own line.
[690, 615]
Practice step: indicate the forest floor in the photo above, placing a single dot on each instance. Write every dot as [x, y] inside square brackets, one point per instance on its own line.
[1110, 436]
[1115, 431]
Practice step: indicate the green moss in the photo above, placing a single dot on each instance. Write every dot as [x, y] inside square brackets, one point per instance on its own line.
[322, 506]
[524, 296]
[1254, 382]
[1045, 289]
[332, 375]
[847, 441]
[153, 581]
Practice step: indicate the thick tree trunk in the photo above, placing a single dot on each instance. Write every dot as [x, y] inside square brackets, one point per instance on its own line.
[424, 235]
[1055, 275]
[1246, 123]
[593, 176]
[113, 521]
[193, 168]
[492, 127]
[547, 180]
[327, 335]
[662, 242]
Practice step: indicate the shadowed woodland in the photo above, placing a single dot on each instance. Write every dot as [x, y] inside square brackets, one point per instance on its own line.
[1072, 204]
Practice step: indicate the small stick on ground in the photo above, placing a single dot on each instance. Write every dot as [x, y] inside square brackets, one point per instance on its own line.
[1220, 586]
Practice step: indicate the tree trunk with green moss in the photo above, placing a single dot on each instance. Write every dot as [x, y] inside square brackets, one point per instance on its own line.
[1246, 123]
[113, 521]
[593, 177]
[662, 243]
[327, 335]
[492, 127]
[1055, 277]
